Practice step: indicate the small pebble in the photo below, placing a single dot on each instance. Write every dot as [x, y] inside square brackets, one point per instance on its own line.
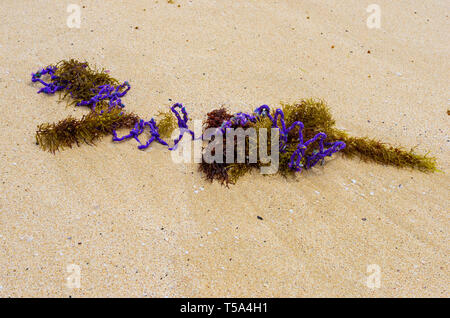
[372, 193]
[291, 211]
[353, 181]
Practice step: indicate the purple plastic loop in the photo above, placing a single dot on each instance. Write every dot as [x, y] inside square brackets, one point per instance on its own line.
[299, 153]
[134, 133]
[49, 88]
[182, 124]
[138, 129]
[264, 110]
[109, 92]
[154, 131]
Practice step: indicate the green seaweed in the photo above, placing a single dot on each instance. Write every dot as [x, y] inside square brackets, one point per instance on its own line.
[316, 117]
[79, 79]
[70, 131]
[167, 123]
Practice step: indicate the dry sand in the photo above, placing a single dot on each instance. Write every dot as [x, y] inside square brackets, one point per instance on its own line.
[131, 219]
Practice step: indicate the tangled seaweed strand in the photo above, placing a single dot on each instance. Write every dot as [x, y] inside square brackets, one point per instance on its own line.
[88, 88]
[318, 124]
[90, 127]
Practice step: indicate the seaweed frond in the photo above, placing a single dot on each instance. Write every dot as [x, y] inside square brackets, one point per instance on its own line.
[88, 129]
[314, 114]
[167, 123]
[80, 79]
[316, 117]
[216, 171]
[376, 151]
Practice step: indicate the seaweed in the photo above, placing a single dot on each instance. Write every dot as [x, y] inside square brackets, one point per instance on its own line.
[88, 129]
[166, 123]
[80, 80]
[316, 117]
[85, 86]
[96, 88]
[216, 171]
[368, 149]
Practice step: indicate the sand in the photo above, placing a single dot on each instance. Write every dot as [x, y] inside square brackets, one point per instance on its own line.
[139, 225]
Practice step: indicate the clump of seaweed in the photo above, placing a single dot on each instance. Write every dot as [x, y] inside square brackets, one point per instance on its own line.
[216, 171]
[166, 123]
[80, 80]
[86, 87]
[88, 129]
[316, 118]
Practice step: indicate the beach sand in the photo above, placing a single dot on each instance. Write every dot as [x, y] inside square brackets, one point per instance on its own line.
[138, 224]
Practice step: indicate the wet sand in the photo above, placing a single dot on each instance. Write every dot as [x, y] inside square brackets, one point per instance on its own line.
[140, 225]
